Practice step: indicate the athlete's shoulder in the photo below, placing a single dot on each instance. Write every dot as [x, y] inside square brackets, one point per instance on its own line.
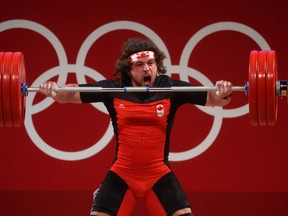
[167, 81]
[107, 83]
[103, 83]
[163, 81]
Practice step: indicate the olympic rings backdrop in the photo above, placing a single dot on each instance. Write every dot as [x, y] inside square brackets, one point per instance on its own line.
[226, 167]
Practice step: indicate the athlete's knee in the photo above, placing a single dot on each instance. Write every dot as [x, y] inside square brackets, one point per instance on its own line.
[95, 213]
[183, 212]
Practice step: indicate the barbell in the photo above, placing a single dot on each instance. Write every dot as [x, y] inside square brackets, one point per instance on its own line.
[263, 88]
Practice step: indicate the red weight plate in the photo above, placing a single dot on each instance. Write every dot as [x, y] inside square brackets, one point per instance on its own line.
[261, 83]
[1, 103]
[17, 76]
[271, 99]
[252, 88]
[23, 80]
[6, 90]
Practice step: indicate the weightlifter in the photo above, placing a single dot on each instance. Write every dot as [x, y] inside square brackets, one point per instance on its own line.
[142, 124]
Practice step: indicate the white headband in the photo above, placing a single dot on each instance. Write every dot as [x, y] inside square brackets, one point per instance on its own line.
[143, 54]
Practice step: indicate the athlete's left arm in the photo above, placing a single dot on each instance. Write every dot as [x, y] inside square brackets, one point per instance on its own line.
[222, 96]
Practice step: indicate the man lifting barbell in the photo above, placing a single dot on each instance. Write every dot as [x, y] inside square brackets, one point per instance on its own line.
[142, 123]
[142, 119]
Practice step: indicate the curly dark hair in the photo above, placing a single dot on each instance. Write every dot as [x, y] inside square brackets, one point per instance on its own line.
[131, 46]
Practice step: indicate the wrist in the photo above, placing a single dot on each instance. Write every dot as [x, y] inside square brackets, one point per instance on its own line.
[228, 97]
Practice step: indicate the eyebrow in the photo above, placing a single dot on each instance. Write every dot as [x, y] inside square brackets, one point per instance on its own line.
[140, 61]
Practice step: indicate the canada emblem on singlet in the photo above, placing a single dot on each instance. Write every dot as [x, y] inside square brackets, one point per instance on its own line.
[160, 110]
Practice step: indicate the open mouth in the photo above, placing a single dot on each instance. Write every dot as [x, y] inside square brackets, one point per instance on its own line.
[147, 79]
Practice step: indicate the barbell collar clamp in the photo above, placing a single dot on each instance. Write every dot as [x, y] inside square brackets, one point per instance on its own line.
[283, 88]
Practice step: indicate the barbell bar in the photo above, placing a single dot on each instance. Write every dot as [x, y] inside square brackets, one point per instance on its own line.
[263, 89]
[25, 89]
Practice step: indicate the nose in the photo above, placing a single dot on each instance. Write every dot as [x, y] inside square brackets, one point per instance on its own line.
[146, 67]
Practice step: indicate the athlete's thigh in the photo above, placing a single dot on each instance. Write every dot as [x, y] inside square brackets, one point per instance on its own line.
[113, 196]
[167, 196]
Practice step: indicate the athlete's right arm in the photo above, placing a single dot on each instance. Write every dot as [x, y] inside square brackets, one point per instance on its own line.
[47, 89]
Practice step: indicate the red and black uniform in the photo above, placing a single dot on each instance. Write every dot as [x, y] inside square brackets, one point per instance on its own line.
[142, 125]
